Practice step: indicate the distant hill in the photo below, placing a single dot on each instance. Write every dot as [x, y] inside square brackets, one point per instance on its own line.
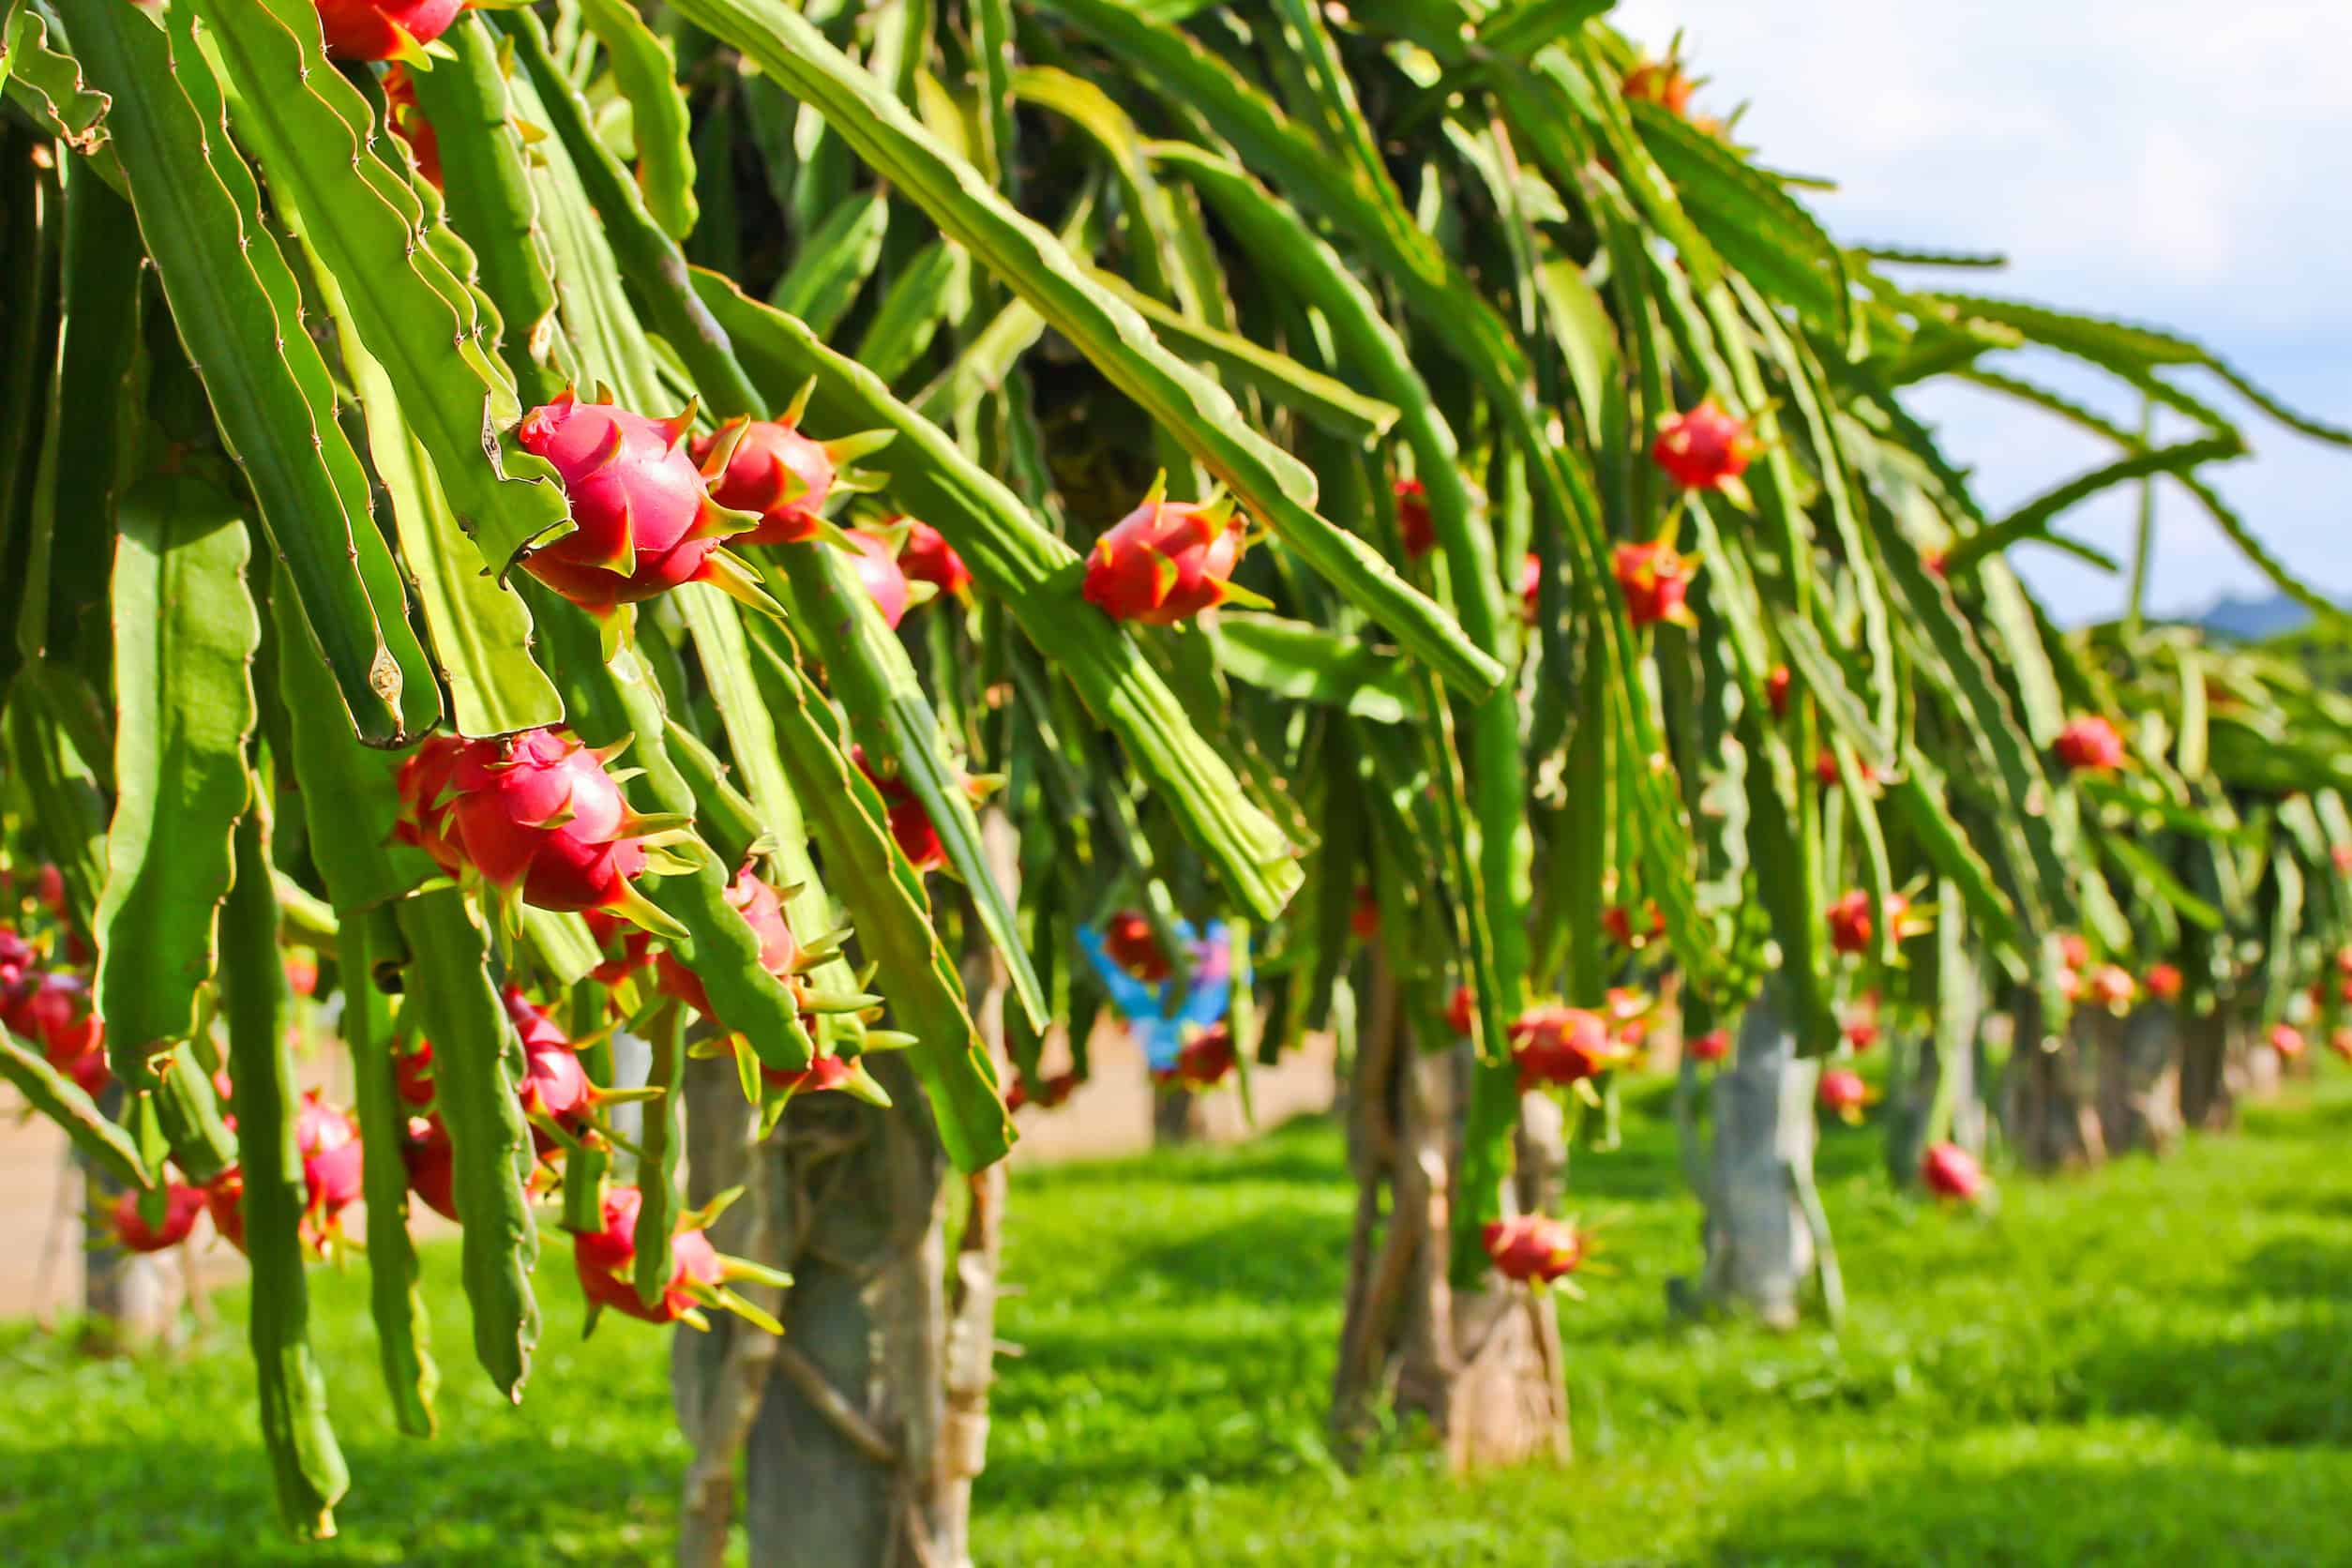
[2251, 620]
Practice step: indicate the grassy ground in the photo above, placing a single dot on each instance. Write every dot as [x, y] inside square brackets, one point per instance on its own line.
[2142, 1367]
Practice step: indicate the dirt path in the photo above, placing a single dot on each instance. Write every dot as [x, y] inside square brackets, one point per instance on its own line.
[1111, 1115]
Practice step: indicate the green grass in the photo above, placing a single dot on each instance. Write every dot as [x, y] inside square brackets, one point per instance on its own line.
[2145, 1365]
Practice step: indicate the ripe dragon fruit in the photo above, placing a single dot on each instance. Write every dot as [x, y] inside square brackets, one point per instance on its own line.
[1704, 448]
[1825, 770]
[1530, 585]
[431, 1167]
[1853, 921]
[700, 1275]
[1364, 913]
[763, 910]
[909, 825]
[1534, 1248]
[1552, 1045]
[1132, 945]
[2089, 744]
[878, 569]
[18, 959]
[1052, 1091]
[1949, 1170]
[2073, 951]
[422, 783]
[384, 29]
[604, 1259]
[927, 557]
[52, 1012]
[2113, 988]
[2342, 855]
[328, 1138]
[2287, 1040]
[1656, 583]
[644, 523]
[2163, 983]
[1166, 561]
[1842, 1093]
[1413, 518]
[1202, 1061]
[181, 1205]
[2339, 1041]
[1461, 1010]
[402, 115]
[1713, 1046]
[539, 819]
[1776, 690]
[224, 1199]
[553, 1084]
[1861, 1034]
[768, 467]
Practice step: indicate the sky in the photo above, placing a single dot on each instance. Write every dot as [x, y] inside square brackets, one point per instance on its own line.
[2168, 162]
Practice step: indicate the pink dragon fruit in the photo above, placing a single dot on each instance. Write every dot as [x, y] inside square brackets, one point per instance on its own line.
[1704, 448]
[328, 1138]
[539, 819]
[181, 1205]
[878, 569]
[1656, 583]
[763, 910]
[1413, 518]
[1166, 561]
[606, 1259]
[1551, 1044]
[384, 29]
[644, 521]
[927, 557]
[2089, 744]
[769, 468]
[1202, 1061]
[1131, 943]
[1949, 1170]
[1713, 1046]
[431, 1167]
[1843, 1094]
[1534, 1248]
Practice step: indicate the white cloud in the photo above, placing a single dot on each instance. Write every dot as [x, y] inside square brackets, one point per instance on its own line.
[2150, 160]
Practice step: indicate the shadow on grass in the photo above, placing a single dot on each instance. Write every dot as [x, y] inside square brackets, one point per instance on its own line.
[1303, 1151]
[2281, 1387]
[436, 1502]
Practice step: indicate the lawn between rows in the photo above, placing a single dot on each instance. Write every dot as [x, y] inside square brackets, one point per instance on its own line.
[2145, 1365]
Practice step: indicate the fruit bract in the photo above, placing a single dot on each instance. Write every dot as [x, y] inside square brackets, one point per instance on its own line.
[822, 1073]
[644, 523]
[1132, 945]
[1556, 1045]
[384, 29]
[2089, 744]
[1164, 562]
[1656, 583]
[927, 557]
[1949, 1170]
[773, 471]
[1704, 446]
[181, 1205]
[1533, 1248]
